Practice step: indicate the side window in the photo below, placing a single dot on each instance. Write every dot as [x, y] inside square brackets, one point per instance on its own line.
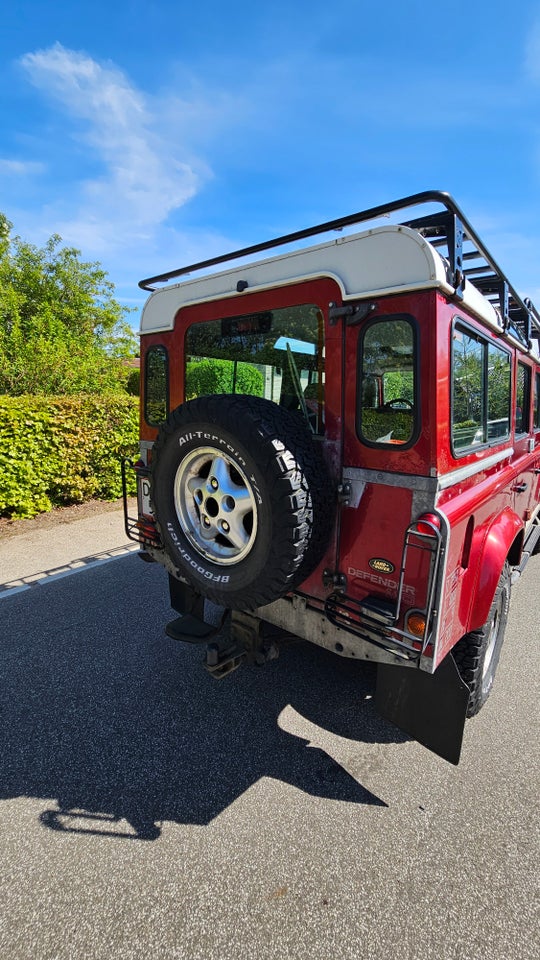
[156, 386]
[387, 409]
[480, 391]
[523, 396]
[468, 390]
[498, 392]
[537, 402]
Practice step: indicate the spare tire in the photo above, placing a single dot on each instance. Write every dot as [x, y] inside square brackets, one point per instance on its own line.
[242, 498]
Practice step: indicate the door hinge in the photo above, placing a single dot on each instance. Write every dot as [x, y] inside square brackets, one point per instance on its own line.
[353, 313]
[335, 579]
[344, 493]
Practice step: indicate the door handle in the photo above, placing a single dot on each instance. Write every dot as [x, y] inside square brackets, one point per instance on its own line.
[520, 488]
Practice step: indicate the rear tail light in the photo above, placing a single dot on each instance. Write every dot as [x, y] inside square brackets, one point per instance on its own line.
[416, 624]
[428, 524]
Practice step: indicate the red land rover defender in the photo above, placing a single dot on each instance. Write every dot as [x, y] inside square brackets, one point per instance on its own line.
[342, 443]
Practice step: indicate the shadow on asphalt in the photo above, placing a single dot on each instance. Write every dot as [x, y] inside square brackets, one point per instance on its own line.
[115, 722]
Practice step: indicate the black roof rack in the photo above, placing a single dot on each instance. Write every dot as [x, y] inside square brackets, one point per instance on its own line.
[466, 256]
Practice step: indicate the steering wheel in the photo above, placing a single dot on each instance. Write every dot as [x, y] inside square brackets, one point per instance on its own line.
[398, 403]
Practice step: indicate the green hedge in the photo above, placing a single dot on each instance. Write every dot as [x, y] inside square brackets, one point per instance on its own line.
[380, 423]
[56, 451]
[222, 376]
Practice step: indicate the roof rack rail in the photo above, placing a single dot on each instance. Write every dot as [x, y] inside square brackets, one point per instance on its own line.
[446, 228]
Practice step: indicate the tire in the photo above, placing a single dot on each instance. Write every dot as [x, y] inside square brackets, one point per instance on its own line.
[536, 550]
[477, 653]
[241, 497]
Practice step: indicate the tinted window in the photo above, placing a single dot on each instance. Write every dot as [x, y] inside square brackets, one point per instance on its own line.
[388, 390]
[480, 391]
[276, 354]
[523, 395]
[156, 401]
[498, 392]
[468, 390]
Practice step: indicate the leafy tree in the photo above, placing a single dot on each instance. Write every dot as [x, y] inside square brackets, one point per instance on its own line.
[61, 330]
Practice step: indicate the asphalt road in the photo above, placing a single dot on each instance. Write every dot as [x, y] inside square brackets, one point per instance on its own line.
[147, 810]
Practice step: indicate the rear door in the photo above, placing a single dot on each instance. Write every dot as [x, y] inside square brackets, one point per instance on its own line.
[281, 344]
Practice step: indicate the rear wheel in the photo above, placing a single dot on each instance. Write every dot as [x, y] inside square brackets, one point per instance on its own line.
[536, 550]
[477, 653]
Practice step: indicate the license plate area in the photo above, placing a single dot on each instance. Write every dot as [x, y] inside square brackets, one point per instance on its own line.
[141, 529]
[143, 496]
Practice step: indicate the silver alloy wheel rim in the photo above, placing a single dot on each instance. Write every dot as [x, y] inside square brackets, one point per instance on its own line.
[215, 505]
[492, 641]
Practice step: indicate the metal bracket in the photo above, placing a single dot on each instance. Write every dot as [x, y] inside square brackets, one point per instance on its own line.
[504, 303]
[446, 227]
[334, 579]
[353, 313]
[344, 491]
[455, 249]
[534, 324]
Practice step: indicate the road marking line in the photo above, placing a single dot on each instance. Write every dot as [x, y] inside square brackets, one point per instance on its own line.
[52, 577]
[12, 591]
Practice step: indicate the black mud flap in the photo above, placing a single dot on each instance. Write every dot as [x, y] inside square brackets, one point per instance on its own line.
[431, 707]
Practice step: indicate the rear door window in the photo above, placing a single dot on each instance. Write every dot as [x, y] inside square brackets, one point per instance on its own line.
[276, 354]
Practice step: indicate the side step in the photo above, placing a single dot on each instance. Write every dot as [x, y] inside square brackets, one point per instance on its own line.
[190, 629]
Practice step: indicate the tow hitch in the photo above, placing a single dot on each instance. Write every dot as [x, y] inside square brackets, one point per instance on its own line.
[237, 638]
[247, 641]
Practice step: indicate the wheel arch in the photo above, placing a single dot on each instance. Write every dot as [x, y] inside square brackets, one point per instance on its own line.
[501, 543]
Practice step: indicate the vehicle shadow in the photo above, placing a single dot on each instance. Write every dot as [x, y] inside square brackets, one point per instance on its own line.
[115, 722]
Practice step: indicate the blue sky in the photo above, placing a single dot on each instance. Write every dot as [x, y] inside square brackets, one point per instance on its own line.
[152, 134]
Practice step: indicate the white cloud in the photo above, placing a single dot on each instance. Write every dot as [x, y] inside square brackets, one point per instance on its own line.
[145, 177]
[19, 168]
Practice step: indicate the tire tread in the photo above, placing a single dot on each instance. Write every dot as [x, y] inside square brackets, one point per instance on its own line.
[301, 495]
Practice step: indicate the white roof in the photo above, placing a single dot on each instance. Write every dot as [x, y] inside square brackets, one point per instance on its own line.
[383, 260]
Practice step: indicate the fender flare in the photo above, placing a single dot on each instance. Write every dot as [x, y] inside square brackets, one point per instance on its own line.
[489, 561]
